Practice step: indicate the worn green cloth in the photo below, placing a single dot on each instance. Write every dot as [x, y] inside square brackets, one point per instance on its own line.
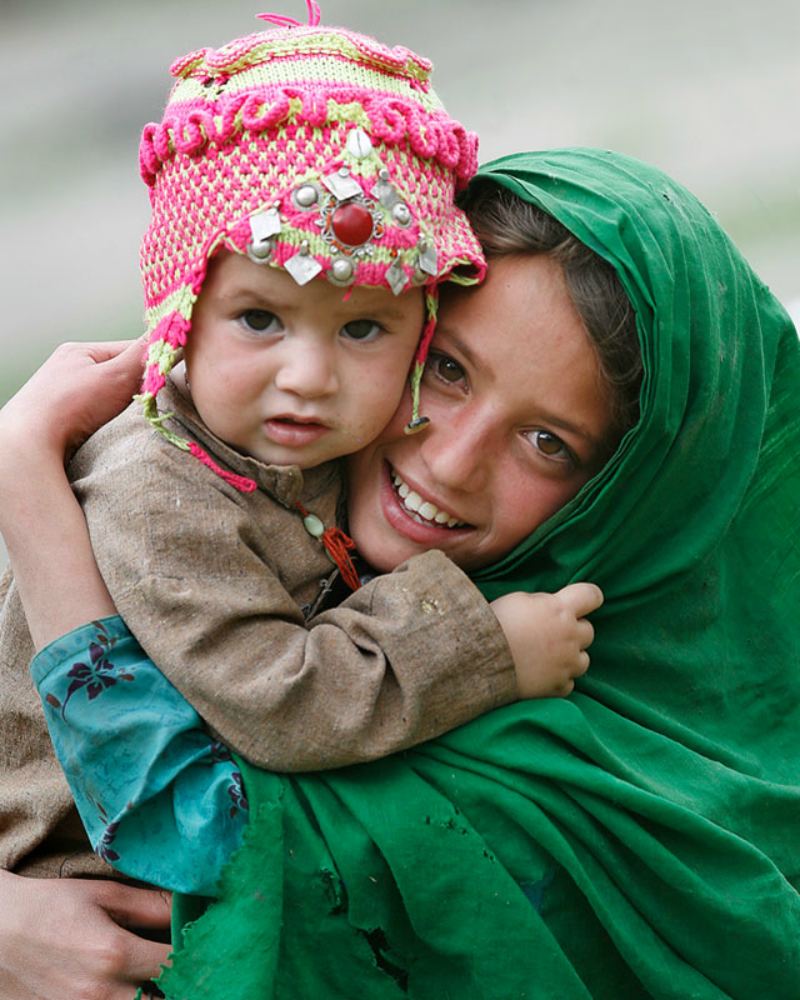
[641, 838]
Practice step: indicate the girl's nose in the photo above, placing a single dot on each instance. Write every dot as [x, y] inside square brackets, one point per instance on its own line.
[307, 369]
[457, 452]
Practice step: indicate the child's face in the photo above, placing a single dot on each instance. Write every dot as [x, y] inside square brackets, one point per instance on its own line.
[297, 376]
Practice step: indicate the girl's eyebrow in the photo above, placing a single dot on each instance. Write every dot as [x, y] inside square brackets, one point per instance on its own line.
[577, 429]
[468, 354]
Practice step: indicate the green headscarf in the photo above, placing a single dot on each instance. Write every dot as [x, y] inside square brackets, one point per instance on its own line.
[642, 837]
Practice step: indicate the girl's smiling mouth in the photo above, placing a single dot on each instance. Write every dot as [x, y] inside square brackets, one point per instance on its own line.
[419, 509]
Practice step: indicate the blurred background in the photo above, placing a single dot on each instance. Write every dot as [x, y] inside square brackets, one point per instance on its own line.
[707, 89]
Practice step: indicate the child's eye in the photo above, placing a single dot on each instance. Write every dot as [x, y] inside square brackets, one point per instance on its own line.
[260, 321]
[361, 329]
[445, 368]
[550, 445]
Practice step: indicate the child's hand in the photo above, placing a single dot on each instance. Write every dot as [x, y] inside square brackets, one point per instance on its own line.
[78, 389]
[548, 635]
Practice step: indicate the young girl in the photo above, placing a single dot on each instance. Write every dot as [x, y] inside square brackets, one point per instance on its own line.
[302, 185]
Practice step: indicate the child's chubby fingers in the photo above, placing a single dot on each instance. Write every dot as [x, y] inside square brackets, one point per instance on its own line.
[581, 598]
[581, 664]
[584, 633]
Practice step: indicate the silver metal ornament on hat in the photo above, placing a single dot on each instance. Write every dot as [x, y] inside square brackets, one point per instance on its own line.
[342, 270]
[341, 185]
[265, 224]
[302, 266]
[263, 227]
[428, 258]
[387, 195]
[396, 276]
[306, 196]
[401, 214]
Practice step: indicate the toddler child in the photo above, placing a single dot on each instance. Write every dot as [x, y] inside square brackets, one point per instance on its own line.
[302, 184]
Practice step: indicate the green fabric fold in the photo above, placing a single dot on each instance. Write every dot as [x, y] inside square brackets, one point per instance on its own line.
[641, 837]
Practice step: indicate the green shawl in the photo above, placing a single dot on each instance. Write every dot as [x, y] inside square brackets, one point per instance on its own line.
[642, 837]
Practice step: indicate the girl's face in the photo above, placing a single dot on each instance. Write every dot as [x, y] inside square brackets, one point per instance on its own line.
[521, 419]
[297, 376]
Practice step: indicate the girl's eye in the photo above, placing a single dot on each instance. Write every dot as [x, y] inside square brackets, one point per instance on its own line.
[361, 330]
[260, 321]
[445, 368]
[550, 445]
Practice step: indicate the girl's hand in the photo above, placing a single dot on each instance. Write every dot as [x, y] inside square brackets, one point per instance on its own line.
[64, 938]
[78, 389]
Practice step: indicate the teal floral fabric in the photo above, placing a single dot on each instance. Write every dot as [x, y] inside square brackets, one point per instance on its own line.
[161, 800]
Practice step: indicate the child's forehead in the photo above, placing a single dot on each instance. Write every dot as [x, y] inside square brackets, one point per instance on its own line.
[234, 276]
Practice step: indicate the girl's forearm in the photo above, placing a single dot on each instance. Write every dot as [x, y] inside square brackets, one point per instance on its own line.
[48, 545]
[77, 390]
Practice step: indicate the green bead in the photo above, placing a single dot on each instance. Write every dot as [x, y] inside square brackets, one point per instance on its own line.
[313, 525]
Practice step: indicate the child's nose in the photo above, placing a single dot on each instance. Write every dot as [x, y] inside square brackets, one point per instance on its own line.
[307, 370]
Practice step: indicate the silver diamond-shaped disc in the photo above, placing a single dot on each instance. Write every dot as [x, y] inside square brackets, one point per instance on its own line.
[401, 213]
[429, 260]
[303, 267]
[397, 277]
[264, 225]
[386, 195]
[359, 144]
[341, 186]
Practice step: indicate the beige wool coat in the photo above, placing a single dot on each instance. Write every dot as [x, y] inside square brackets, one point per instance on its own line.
[221, 588]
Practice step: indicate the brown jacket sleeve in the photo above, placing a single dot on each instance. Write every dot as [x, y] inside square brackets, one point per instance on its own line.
[199, 573]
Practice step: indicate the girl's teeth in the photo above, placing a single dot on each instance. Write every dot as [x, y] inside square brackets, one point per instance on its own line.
[422, 510]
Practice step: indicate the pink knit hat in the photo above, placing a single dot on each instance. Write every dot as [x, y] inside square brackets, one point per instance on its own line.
[309, 148]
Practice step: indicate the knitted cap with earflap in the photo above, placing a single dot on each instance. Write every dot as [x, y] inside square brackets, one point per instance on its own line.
[308, 148]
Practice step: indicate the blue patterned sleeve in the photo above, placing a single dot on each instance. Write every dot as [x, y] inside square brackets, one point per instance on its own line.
[161, 800]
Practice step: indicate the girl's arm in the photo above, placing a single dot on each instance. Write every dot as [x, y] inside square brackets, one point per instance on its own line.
[159, 798]
[66, 937]
[82, 386]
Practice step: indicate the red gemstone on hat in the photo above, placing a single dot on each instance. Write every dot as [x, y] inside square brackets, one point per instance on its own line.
[352, 224]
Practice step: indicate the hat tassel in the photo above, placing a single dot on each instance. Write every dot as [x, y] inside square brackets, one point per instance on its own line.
[314, 16]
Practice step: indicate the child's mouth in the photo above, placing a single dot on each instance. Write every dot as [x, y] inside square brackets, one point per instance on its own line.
[293, 432]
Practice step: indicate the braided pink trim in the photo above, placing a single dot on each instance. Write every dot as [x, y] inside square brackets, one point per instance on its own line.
[240, 483]
[188, 128]
[172, 330]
